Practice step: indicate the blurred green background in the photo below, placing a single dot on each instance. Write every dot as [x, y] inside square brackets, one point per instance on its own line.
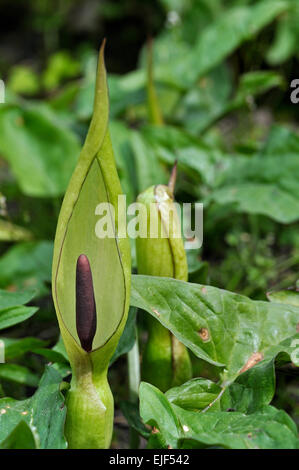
[204, 82]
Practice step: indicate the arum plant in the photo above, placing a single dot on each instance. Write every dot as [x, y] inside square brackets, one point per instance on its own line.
[91, 281]
[166, 362]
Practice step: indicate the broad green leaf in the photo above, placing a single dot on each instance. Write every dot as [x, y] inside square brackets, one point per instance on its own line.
[12, 413]
[266, 199]
[41, 150]
[206, 101]
[285, 41]
[60, 348]
[51, 356]
[252, 390]
[196, 394]
[148, 168]
[267, 429]
[266, 183]
[154, 110]
[219, 326]
[18, 374]
[121, 139]
[254, 83]
[48, 411]
[44, 413]
[12, 310]
[182, 65]
[203, 105]
[125, 92]
[13, 299]
[197, 159]
[131, 413]
[153, 404]
[14, 315]
[281, 141]
[18, 347]
[27, 264]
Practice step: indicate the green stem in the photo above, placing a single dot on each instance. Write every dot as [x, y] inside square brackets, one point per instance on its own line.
[134, 370]
[89, 422]
[134, 382]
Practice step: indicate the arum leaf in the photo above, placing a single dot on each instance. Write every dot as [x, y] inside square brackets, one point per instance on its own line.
[181, 67]
[94, 181]
[14, 315]
[259, 185]
[179, 428]
[42, 152]
[220, 327]
[12, 299]
[148, 168]
[196, 394]
[11, 309]
[256, 198]
[252, 390]
[21, 437]
[18, 347]
[131, 413]
[154, 404]
[44, 413]
[27, 264]
[18, 374]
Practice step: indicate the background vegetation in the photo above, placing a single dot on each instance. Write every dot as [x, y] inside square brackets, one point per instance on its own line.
[216, 98]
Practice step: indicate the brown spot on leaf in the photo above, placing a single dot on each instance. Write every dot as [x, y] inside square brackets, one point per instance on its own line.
[204, 290]
[204, 334]
[156, 312]
[252, 361]
[297, 328]
[155, 430]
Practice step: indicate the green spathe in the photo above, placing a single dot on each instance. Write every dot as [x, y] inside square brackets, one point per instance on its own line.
[90, 403]
[163, 256]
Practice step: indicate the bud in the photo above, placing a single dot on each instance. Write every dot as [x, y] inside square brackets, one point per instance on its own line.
[91, 281]
[166, 362]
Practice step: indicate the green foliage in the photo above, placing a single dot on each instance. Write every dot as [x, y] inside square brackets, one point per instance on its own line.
[28, 132]
[12, 309]
[267, 429]
[44, 415]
